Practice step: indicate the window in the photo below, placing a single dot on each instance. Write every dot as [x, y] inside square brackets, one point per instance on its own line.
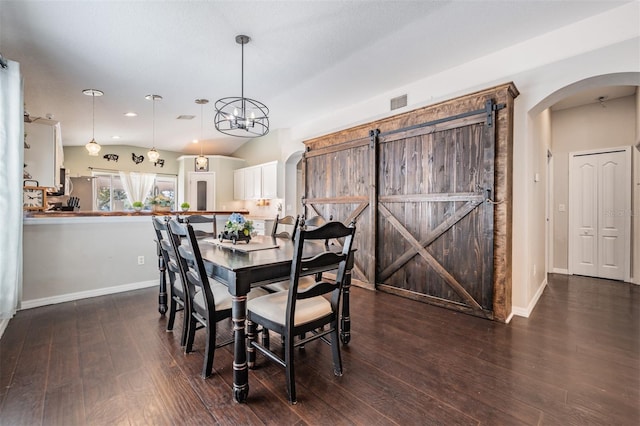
[109, 194]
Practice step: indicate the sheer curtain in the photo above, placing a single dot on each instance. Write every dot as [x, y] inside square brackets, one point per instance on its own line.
[11, 158]
[137, 185]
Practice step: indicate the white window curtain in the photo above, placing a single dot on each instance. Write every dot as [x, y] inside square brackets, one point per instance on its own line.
[11, 159]
[137, 185]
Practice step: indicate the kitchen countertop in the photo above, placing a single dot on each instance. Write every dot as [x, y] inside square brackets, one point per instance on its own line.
[52, 214]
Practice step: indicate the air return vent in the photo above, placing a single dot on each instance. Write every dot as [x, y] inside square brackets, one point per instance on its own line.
[185, 117]
[398, 102]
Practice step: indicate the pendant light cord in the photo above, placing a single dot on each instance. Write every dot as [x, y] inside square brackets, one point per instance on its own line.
[201, 140]
[93, 116]
[153, 123]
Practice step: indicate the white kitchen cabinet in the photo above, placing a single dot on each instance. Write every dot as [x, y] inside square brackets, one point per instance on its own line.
[256, 182]
[238, 184]
[269, 180]
[40, 156]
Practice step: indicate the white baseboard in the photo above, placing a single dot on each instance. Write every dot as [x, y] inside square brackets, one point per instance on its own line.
[34, 303]
[3, 326]
[525, 312]
[560, 271]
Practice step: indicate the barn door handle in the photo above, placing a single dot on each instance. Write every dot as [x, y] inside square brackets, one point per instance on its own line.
[488, 195]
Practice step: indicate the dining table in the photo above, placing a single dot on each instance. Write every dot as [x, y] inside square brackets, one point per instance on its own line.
[263, 260]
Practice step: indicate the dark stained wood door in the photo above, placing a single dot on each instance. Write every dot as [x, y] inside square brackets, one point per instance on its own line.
[435, 217]
[430, 190]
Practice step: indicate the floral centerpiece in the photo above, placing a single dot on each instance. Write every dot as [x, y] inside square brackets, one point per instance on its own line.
[161, 203]
[237, 228]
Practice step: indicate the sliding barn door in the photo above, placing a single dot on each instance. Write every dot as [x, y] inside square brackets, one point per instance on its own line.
[338, 186]
[435, 215]
[430, 191]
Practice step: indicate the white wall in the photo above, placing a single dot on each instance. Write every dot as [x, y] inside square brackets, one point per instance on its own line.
[584, 128]
[71, 258]
[77, 161]
[603, 45]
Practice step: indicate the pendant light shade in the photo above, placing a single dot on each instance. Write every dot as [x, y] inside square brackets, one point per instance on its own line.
[202, 162]
[93, 147]
[242, 117]
[153, 155]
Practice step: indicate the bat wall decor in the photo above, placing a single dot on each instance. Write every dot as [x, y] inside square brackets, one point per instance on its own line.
[137, 158]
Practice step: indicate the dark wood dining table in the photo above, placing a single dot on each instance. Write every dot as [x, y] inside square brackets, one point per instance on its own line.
[241, 271]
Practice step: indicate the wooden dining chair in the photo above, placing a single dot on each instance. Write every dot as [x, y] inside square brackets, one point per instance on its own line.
[176, 290]
[197, 219]
[210, 300]
[295, 313]
[287, 220]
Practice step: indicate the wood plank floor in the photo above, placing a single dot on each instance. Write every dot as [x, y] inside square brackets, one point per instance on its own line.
[108, 360]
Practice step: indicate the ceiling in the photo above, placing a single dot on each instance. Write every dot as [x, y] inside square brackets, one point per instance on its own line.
[305, 57]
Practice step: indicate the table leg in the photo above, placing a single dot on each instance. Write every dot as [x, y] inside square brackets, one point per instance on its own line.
[240, 369]
[345, 319]
[162, 292]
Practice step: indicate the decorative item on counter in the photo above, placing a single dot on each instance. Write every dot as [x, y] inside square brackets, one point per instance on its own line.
[237, 229]
[161, 203]
[137, 158]
[73, 204]
[160, 162]
[137, 205]
[184, 206]
[111, 157]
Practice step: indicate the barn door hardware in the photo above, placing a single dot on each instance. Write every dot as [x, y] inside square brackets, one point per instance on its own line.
[490, 108]
[373, 137]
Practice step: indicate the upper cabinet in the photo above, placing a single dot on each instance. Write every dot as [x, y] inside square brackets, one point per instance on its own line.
[256, 182]
[40, 159]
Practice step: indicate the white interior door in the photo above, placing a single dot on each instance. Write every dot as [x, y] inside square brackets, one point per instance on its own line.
[202, 191]
[599, 205]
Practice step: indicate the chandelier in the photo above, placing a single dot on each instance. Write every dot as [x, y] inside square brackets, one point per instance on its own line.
[242, 117]
[202, 162]
[153, 155]
[93, 147]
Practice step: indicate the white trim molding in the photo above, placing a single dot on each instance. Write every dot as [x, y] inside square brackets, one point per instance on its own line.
[35, 303]
[525, 312]
[560, 271]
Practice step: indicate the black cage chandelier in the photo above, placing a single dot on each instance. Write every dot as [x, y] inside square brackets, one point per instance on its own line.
[242, 117]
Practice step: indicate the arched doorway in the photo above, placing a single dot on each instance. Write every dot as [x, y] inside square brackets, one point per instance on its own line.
[293, 185]
[557, 188]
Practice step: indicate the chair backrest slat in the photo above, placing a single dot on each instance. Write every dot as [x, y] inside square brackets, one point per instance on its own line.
[287, 220]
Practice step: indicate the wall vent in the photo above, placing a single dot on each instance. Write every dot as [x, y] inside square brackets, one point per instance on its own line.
[398, 102]
[185, 117]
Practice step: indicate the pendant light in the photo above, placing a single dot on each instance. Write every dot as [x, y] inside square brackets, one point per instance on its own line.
[93, 147]
[152, 154]
[242, 117]
[202, 162]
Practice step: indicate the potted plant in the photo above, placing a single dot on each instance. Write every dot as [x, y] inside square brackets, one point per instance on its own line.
[161, 203]
[237, 229]
[185, 206]
[137, 205]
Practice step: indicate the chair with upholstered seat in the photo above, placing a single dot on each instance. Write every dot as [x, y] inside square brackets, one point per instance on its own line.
[176, 290]
[287, 220]
[210, 300]
[294, 312]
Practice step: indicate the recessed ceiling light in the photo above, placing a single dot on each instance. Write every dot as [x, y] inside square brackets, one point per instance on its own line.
[195, 141]
[115, 137]
[130, 114]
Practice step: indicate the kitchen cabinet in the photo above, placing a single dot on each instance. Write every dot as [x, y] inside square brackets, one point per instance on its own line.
[238, 184]
[262, 226]
[40, 152]
[256, 182]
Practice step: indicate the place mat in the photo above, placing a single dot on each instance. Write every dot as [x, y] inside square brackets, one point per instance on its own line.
[241, 245]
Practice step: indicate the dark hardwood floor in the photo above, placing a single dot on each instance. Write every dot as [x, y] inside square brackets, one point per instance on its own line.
[108, 360]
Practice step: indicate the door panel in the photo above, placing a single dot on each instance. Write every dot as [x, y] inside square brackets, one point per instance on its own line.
[600, 192]
[202, 193]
